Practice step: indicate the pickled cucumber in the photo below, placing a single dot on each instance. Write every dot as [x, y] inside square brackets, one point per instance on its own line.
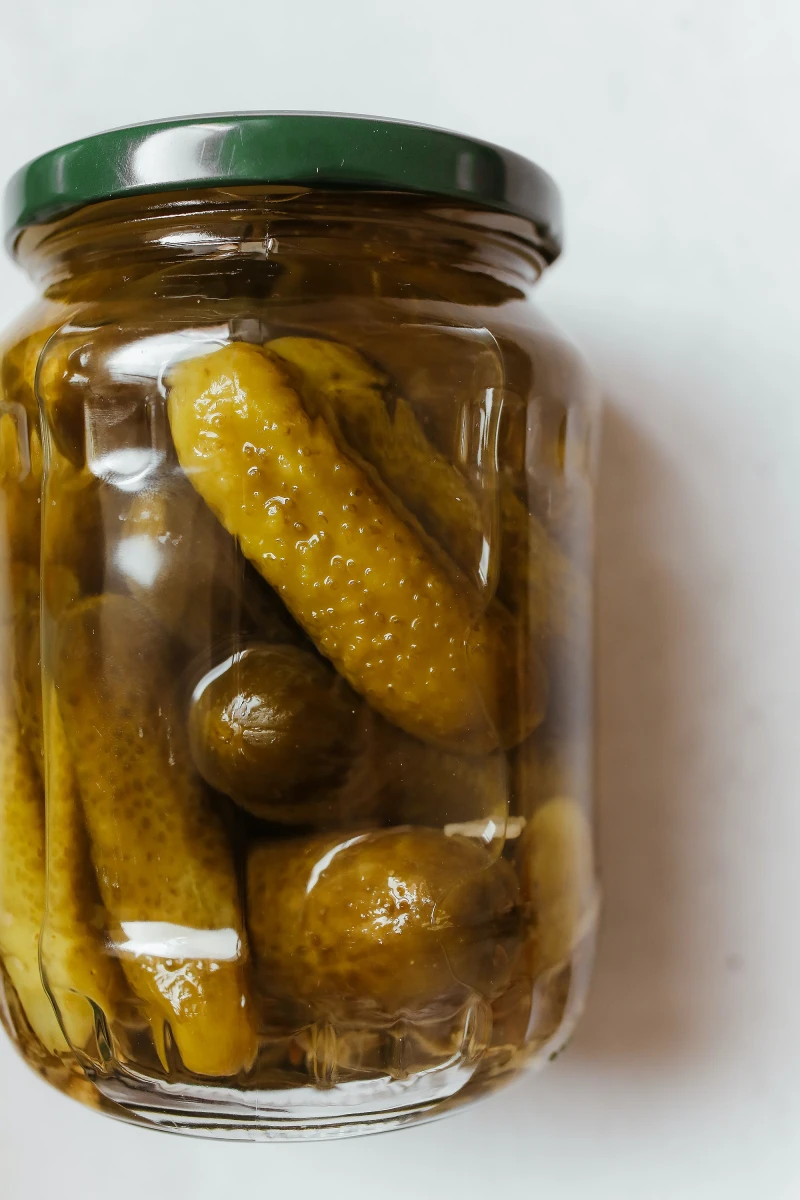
[339, 381]
[554, 861]
[73, 523]
[22, 879]
[535, 580]
[272, 726]
[20, 453]
[394, 921]
[22, 641]
[163, 865]
[555, 864]
[356, 577]
[77, 963]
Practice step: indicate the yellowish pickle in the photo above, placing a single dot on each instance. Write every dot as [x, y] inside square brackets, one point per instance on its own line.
[22, 879]
[396, 921]
[20, 478]
[23, 661]
[73, 524]
[554, 861]
[163, 863]
[338, 381]
[536, 580]
[77, 961]
[363, 584]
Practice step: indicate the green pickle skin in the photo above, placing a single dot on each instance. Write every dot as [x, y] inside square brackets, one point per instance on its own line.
[382, 923]
[554, 861]
[81, 975]
[22, 880]
[21, 449]
[535, 579]
[337, 381]
[160, 852]
[26, 671]
[364, 586]
[275, 729]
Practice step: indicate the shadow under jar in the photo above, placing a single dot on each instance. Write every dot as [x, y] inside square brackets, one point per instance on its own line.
[295, 575]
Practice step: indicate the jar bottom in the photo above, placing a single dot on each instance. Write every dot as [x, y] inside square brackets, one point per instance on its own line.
[327, 1082]
[343, 1110]
[285, 1114]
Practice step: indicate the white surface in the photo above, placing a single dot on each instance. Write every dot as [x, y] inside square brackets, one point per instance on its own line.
[671, 127]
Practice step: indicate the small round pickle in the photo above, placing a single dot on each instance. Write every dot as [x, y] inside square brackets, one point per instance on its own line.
[270, 725]
[382, 923]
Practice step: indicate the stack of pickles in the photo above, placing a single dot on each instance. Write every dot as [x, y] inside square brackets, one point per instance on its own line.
[312, 815]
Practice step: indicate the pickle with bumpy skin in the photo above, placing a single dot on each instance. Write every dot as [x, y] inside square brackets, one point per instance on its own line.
[163, 863]
[22, 641]
[22, 880]
[21, 458]
[276, 730]
[535, 578]
[337, 380]
[373, 597]
[76, 508]
[23, 645]
[391, 921]
[80, 971]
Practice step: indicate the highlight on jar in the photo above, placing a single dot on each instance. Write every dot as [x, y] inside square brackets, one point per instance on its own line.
[296, 492]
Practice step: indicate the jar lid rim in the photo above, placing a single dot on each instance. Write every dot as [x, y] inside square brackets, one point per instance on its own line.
[331, 150]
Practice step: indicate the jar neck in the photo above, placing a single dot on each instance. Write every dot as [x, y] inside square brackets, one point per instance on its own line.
[286, 242]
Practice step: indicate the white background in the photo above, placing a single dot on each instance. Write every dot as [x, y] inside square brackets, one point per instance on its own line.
[672, 127]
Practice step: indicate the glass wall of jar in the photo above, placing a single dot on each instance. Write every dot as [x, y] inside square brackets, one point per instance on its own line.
[295, 831]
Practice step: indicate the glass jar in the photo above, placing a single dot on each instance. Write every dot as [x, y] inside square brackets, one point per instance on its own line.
[295, 784]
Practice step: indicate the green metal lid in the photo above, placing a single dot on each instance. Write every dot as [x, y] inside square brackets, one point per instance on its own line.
[315, 149]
